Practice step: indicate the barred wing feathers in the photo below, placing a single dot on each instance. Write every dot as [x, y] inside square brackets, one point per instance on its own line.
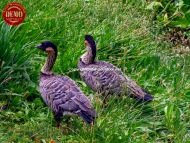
[64, 96]
[108, 79]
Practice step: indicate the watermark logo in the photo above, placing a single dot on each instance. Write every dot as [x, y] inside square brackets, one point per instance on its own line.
[14, 13]
[98, 69]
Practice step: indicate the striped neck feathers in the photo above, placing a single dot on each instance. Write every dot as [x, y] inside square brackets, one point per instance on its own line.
[89, 56]
[50, 61]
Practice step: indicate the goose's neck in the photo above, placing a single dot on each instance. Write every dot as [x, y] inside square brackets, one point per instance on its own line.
[47, 67]
[88, 57]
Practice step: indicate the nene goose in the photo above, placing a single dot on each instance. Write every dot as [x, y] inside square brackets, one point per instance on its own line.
[106, 78]
[61, 93]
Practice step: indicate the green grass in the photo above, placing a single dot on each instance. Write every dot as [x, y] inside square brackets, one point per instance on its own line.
[127, 38]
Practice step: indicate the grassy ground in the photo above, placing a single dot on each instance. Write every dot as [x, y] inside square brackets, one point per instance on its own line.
[126, 37]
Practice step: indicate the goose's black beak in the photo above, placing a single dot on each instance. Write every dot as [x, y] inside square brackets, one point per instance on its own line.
[39, 46]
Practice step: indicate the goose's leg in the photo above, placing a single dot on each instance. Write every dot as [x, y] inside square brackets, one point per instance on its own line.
[83, 125]
[66, 128]
[67, 120]
[91, 127]
[106, 99]
[57, 117]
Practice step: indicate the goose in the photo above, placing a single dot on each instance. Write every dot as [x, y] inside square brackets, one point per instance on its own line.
[61, 93]
[105, 78]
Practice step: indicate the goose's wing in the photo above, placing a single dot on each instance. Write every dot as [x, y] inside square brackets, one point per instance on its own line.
[103, 77]
[63, 95]
[107, 78]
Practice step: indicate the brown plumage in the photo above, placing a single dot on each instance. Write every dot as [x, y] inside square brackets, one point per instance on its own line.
[106, 78]
[61, 93]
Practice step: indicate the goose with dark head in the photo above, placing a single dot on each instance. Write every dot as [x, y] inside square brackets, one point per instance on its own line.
[106, 78]
[61, 93]
[89, 56]
[51, 50]
[48, 44]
